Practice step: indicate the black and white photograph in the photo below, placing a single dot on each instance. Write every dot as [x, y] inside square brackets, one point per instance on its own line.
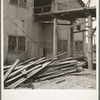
[50, 44]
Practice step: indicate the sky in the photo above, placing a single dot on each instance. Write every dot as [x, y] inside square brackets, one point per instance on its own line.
[92, 3]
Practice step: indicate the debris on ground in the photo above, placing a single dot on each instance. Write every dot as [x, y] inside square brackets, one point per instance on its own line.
[49, 72]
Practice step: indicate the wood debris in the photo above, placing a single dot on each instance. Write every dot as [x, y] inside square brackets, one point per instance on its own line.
[39, 70]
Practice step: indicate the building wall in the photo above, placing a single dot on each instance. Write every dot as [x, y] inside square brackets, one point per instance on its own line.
[66, 4]
[16, 14]
[43, 39]
[39, 41]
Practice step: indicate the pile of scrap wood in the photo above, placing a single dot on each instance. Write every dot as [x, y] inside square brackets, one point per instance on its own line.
[41, 69]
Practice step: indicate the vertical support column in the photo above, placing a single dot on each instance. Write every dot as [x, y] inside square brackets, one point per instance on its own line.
[90, 43]
[84, 44]
[71, 40]
[54, 37]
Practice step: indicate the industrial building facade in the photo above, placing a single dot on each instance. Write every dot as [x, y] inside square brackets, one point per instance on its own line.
[23, 32]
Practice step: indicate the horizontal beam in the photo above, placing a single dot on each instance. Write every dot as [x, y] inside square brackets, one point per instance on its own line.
[48, 22]
[84, 31]
[76, 25]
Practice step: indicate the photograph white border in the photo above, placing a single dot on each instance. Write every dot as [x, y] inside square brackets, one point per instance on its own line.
[50, 94]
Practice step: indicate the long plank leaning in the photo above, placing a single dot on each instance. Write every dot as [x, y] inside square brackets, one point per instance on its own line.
[18, 71]
[10, 70]
[21, 80]
[18, 66]
[52, 58]
[21, 74]
[26, 61]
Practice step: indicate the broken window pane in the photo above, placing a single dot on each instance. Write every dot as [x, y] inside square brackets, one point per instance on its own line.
[78, 46]
[14, 1]
[12, 43]
[79, 27]
[21, 44]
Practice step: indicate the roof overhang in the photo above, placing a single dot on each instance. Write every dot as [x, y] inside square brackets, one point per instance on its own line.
[67, 14]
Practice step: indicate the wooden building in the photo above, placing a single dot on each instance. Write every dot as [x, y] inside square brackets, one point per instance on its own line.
[25, 32]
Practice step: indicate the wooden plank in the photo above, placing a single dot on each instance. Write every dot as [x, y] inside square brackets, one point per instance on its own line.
[26, 61]
[6, 67]
[52, 58]
[21, 75]
[63, 63]
[60, 70]
[21, 80]
[59, 67]
[90, 44]
[55, 37]
[56, 75]
[24, 67]
[20, 64]
[10, 70]
[71, 40]
[65, 59]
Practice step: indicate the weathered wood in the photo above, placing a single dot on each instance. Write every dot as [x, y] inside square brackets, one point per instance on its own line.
[63, 63]
[10, 70]
[24, 67]
[51, 58]
[21, 75]
[71, 40]
[26, 61]
[20, 64]
[56, 75]
[21, 80]
[55, 37]
[66, 59]
[6, 67]
[59, 70]
[90, 44]
[59, 67]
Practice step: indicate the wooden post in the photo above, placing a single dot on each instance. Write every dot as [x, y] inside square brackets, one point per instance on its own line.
[54, 37]
[90, 44]
[71, 41]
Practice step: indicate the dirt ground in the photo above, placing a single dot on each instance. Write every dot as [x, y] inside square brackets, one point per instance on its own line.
[85, 79]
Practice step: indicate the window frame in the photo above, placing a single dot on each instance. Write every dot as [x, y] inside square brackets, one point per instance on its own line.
[62, 46]
[18, 4]
[16, 50]
[77, 51]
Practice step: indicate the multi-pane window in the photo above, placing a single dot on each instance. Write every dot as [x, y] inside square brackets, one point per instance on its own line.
[16, 43]
[21, 44]
[79, 27]
[14, 1]
[62, 46]
[78, 46]
[12, 43]
[19, 2]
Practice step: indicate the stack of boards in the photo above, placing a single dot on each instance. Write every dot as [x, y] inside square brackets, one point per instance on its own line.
[40, 69]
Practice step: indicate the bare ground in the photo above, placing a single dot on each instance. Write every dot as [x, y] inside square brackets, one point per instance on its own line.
[85, 79]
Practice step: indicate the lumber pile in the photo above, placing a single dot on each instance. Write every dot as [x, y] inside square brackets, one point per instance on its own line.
[40, 69]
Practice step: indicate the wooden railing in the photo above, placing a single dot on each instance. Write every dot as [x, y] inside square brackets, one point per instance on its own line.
[57, 7]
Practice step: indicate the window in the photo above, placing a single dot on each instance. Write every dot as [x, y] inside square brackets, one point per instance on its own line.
[14, 1]
[79, 27]
[19, 2]
[12, 43]
[16, 44]
[78, 46]
[21, 44]
[62, 46]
